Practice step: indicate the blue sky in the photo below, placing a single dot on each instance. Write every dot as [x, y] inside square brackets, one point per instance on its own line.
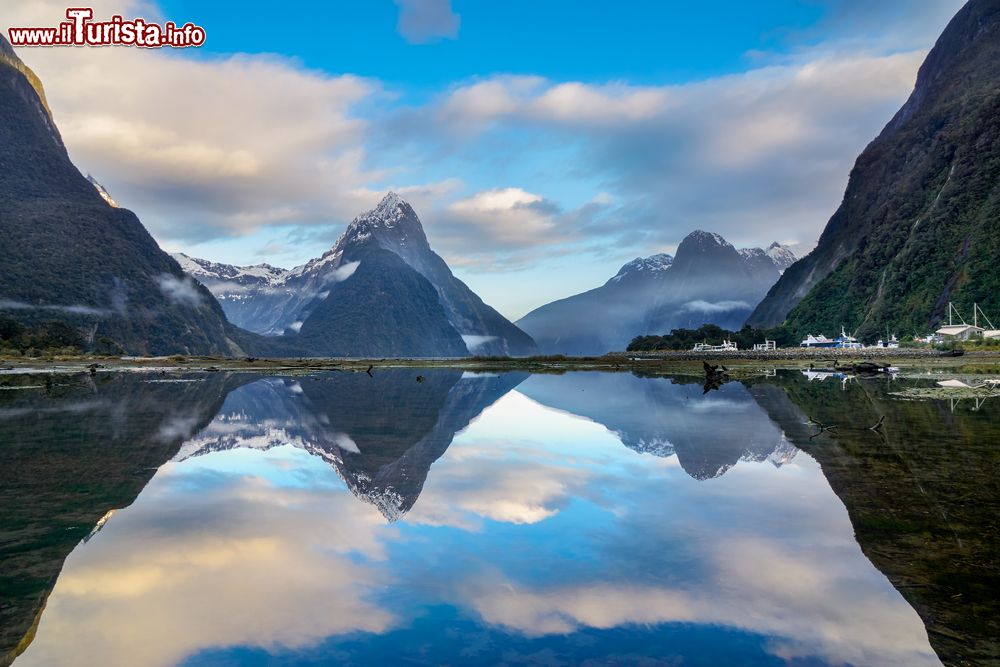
[642, 42]
[543, 144]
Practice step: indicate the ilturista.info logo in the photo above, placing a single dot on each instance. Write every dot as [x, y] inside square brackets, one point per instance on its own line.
[81, 30]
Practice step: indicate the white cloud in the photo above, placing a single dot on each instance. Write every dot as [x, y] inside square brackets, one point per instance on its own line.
[217, 147]
[182, 291]
[342, 273]
[753, 155]
[202, 148]
[699, 306]
[9, 304]
[473, 341]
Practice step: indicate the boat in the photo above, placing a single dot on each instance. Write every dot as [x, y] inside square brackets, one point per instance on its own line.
[817, 341]
[843, 341]
[726, 346]
[892, 343]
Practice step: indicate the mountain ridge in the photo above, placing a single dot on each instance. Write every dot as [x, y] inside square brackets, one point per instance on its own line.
[274, 301]
[708, 280]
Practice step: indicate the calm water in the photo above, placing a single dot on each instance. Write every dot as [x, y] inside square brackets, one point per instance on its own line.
[463, 519]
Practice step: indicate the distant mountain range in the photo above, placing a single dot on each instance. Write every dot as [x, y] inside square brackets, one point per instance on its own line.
[658, 416]
[379, 291]
[919, 224]
[709, 281]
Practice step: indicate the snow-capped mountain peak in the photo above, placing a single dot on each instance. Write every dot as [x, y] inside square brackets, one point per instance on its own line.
[782, 256]
[389, 211]
[652, 265]
[703, 237]
[204, 270]
[390, 208]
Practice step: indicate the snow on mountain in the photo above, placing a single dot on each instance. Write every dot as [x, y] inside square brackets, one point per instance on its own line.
[782, 256]
[651, 265]
[273, 301]
[101, 190]
[707, 280]
[701, 237]
[204, 270]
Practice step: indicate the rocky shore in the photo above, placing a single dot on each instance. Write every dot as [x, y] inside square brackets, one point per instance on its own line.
[799, 354]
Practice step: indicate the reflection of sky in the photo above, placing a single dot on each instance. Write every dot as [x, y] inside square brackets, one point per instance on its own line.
[537, 537]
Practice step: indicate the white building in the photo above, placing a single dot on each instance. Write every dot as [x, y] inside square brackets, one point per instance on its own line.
[959, 331]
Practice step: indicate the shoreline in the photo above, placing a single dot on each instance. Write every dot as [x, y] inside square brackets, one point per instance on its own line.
[681, 360]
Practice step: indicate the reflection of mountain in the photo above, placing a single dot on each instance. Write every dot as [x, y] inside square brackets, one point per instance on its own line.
[380, 433]
[922, 494]
[71, 449]
[661, 416]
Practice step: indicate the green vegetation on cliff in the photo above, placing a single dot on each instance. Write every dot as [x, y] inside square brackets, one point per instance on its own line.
[919, 225]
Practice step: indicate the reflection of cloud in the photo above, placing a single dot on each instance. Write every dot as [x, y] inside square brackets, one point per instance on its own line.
[246, 550]
[807, 608]
[495, 482]
[562, 611]
[177, 427]
[616, 540]
[346, 443]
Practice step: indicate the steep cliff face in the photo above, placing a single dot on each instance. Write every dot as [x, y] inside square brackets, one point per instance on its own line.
[385, 309]
[68, 255]
[919, 225]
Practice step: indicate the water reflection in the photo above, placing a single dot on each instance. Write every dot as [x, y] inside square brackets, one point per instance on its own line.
[496, 524]
[73, 448]
[381, 434]
[709, 433]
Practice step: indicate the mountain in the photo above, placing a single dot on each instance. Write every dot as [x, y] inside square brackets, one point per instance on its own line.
[709, 281]
[381, 434]
[919, 224]
[249, 295]
[274, 301]
[667, 417]
[922, 496]
[67, 254]
[386, 309]
[103, 439]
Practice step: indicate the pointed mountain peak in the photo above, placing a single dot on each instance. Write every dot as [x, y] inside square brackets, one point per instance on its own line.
[6, 50]
[392, 225]
[781, 255]
[390, 210]
[702, 238]
[9, 56]
[390, 202]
